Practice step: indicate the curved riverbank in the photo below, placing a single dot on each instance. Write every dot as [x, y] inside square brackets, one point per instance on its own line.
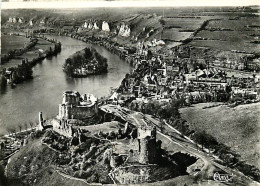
[17, 73]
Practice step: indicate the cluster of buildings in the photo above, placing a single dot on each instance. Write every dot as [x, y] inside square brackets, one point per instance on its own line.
[86, 69]
[164, 77]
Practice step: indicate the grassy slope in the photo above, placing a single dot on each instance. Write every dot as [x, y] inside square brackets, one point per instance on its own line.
[237, 127]
[12, 42]
[33, 158]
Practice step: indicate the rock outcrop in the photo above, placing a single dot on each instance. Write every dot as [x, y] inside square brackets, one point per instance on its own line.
[124, 30]
[105, 26]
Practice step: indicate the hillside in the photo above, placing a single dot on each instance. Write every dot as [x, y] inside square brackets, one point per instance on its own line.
[238, 128]
[216, 28]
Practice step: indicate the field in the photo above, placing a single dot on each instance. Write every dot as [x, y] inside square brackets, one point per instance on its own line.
[174, 35]
[184, 23]
[16, 42]
[11, 63]
[226, 34]
[12, 42]
[44, 45]
[238, 128]
[30, 55]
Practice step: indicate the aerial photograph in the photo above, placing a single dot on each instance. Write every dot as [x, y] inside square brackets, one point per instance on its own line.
[147, 93]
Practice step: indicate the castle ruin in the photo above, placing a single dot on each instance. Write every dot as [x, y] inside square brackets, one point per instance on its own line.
[141, 155]
[75, 110]
[79, 107]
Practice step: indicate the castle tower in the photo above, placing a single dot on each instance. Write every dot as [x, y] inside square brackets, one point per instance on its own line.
[40, 126]
[147, 145]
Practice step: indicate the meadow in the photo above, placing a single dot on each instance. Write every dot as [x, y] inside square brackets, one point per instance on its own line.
[12, 42]
[226, 34]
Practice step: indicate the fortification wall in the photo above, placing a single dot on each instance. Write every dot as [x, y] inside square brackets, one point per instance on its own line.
[133, 174]
[62, 128]
[77, 112]
[82, 112]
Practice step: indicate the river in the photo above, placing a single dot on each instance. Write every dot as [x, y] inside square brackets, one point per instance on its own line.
[23, 103]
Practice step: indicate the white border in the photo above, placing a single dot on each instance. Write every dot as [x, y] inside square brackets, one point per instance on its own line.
[45, 4]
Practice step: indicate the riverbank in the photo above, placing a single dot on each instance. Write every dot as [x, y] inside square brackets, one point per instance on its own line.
[13, 47]
[15, 74]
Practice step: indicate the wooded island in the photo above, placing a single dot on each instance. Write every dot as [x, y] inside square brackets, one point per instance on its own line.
[85, 62]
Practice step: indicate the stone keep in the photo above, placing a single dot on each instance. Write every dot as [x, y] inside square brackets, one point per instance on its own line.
[147, 145]
[75, 106]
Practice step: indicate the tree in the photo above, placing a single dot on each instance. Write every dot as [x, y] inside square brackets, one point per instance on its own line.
[13, 130]
[20, 127]
[162, 21]
[9, 130]
[26, 126]
[200, 138]
[3, 82]
[31, 124]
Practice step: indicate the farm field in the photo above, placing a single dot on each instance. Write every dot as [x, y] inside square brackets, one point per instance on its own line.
[44, 45]
[227, 45]
[174, 35]
[239, 36]
[30, 55]
[12, 42]
[11, 63]
[243, 23]
[238, 128]
[184, 23]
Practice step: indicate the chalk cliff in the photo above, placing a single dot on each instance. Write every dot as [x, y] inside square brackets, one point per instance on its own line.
[124, 30]
[105, 26]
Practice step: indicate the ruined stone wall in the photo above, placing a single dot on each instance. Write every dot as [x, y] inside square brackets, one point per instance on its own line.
[71, 98]
[147, 142]
[134, 151]
[143, 157]
[62, 128]
[82, 112]
[152, 151]
[77, 112]
[133, 174]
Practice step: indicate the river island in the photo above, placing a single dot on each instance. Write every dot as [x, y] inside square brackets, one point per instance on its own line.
[85, 62]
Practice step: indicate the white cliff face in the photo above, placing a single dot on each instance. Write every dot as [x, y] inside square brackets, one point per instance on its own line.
[79, 30]
[20, 20]
[124, 30]
[31, 23]
[10, 20]
[14, 20]
[85, 25]
[105, 26]
[90, 26]
[95, 26]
